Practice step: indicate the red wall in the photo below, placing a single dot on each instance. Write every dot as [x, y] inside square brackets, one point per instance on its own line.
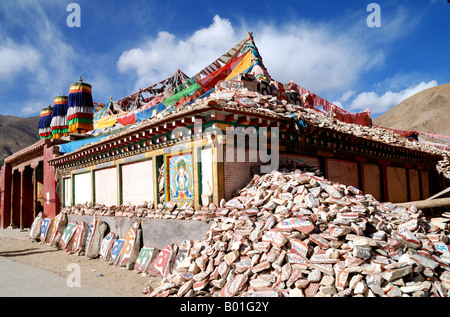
[51, 200]
[5, 204]
[27, 198]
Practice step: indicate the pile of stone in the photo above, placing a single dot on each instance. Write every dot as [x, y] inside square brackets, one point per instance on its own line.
[298, 234]
[144, 210]
[240, 97]
[169, 210]
[273, 105]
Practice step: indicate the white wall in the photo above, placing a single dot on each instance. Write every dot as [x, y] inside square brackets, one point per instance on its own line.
[83, 188]
[106, 187]
[67, 191]
[207, 171]
[137, 183]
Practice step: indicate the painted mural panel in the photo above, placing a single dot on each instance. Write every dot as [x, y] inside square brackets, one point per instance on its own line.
[180, 181]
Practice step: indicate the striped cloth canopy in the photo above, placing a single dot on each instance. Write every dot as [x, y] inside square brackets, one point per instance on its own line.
[59, 117]
[45, 132]
[80, 112]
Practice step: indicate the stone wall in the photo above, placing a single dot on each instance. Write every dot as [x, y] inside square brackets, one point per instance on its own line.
[155, 232]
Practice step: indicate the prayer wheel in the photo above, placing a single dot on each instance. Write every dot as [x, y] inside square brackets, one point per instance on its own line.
[80, 112]
[59, 124]
[45, 131]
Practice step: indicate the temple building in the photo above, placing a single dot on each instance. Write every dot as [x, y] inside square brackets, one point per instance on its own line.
[186, 144]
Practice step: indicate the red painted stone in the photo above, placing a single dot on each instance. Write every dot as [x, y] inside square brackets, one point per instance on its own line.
[303, 224]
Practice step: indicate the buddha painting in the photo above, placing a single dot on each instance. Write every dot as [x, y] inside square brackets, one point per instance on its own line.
[181, 180]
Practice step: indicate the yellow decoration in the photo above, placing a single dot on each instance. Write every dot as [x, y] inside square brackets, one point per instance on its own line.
[245, 64]
[105, 122]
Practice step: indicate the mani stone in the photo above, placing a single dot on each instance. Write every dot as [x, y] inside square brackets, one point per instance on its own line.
[392, 275]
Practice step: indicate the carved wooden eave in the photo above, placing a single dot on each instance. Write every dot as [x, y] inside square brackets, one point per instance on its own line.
[155, 133]
[31, 153]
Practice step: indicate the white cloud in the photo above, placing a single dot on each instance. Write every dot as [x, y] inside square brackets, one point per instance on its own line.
[159, 58]
[347, 95]
[15, 58]
[37, 59]
[320, 56]
[315, 57]
[382, 103]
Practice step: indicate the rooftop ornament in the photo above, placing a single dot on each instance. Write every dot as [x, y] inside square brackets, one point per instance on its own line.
[80, 113]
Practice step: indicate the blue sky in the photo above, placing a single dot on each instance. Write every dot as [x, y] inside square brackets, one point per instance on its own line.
[325, 46]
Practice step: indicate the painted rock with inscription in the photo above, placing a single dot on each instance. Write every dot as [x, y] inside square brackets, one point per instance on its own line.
[286, 227]
[237, 284]
[162, 264]
[274, 237]
[303, 224]
[79, 237]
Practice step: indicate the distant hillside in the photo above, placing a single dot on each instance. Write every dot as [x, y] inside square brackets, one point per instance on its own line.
[426, 111]
[16, 134]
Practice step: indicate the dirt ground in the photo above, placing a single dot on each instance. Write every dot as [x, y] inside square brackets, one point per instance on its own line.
[94, 272]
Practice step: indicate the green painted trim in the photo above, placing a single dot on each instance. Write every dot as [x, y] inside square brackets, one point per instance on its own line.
[199, 192]
[72, 176]
[93, 187]
[142, 142]
[63, 191]
[119, 185]
[156, 164]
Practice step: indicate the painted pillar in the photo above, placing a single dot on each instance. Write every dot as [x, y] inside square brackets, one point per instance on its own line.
[5, 204]
[51, 199]
[155, 181]
[26, 198]
[35, 198]
[22, 198]
[15, 199]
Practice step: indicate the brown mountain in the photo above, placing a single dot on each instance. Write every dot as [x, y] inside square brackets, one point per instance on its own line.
[16, 134]
[426, 111]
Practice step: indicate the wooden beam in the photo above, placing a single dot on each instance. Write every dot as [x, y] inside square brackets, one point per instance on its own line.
[177, 124]
[425, 204]
[243, 120]
[445, 193]
[231, 118]
[255, 122]
[161, 129]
